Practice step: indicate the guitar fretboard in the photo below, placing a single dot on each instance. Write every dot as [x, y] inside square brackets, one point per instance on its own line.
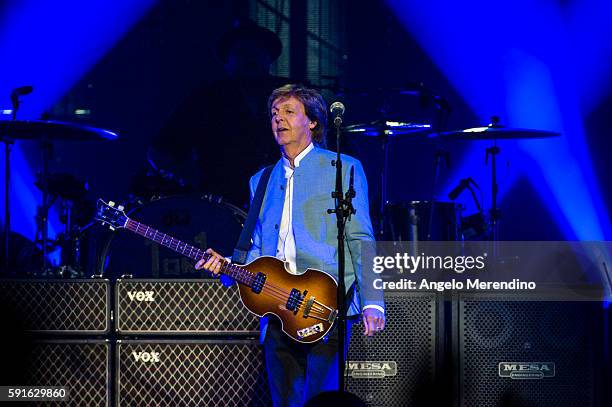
[238, 273]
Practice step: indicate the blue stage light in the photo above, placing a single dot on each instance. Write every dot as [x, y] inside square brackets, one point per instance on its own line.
[50, 45]
[518, 60]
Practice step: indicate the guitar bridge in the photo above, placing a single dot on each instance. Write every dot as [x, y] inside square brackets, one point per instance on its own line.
[332, 316]
[258, 283]
[308, 306]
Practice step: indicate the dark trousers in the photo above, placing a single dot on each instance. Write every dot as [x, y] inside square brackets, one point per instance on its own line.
[298, 372]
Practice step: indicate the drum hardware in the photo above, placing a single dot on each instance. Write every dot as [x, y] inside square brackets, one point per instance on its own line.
[23, 256]
[54, 131]
[390, 127]
[7, 138]
[71, 192]
[440, 153]
[475, 226]
[494, 132]
[409, 221]
[46, 132]
[441, 118]
[384, 129]
[154, 182]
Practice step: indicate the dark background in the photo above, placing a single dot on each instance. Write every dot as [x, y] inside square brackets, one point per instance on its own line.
[360, 54]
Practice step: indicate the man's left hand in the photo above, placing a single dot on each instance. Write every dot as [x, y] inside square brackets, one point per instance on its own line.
[373, 320]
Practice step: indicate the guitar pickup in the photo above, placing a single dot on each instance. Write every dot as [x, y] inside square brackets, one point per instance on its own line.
[294, 300]
[258, 283]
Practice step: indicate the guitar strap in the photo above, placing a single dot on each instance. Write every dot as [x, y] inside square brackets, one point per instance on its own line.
[244, 241]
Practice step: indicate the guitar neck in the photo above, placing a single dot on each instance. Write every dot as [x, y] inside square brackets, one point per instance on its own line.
[238, 273]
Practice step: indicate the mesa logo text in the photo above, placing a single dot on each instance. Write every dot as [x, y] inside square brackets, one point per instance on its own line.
[526, 370]
[371, 369]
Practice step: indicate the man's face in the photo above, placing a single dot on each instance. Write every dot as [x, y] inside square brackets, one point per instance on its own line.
[290, 125]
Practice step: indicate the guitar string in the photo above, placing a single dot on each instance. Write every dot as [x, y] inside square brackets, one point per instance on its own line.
[279, 293]
[175, 245]
[273, 288]
[300, 302]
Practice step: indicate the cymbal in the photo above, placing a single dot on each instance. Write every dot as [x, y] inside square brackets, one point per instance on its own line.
[494, 133]
[387, 127]
[52, 130]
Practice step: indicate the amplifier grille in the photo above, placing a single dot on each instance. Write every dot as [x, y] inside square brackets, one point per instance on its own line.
[499, 329]
[58, 306]
[408, 340]
[182, 306]
[83, 367]
[191, 373]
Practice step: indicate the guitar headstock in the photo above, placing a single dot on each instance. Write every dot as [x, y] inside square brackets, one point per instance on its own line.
[110, 215]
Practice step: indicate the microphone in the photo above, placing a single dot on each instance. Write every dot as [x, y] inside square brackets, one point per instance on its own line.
[463, 184]
[23, 90]
[20, 91]
[337, 110]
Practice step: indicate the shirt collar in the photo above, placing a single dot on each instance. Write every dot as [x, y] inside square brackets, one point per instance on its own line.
[296, 160]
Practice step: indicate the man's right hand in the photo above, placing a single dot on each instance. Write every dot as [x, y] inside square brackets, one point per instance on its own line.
[213, 264]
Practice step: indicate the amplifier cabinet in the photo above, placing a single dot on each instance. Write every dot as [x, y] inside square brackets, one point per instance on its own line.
[514, 350]
[185, 307]
[81, 366]
[397, 366]
[191, 373]
[56, 306]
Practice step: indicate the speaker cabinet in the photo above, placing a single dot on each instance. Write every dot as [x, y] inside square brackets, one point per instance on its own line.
[191, 373]
[516, 351]
[181, 307]
[396, 366]
[57, 306]
[82, 366]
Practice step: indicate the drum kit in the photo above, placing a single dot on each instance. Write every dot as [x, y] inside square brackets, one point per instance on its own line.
[210, 220]
[66, 188]
[438, 220]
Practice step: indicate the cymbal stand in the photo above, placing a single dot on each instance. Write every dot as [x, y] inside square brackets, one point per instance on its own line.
[15, 101]
[384, 176]
[495, 211]
[440, 153]
[43, 211]
[443, 112]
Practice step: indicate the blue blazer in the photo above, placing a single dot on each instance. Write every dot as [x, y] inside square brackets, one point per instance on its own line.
[314, 229]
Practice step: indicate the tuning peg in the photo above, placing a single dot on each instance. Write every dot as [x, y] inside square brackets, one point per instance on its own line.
[120, 207]
[111, 203]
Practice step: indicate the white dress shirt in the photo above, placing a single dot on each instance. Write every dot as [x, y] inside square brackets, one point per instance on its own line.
[286, 240]
[286, 249]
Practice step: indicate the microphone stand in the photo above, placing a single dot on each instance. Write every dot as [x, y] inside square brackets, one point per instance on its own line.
[343, 210]
[7, 211]
[8, 142]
